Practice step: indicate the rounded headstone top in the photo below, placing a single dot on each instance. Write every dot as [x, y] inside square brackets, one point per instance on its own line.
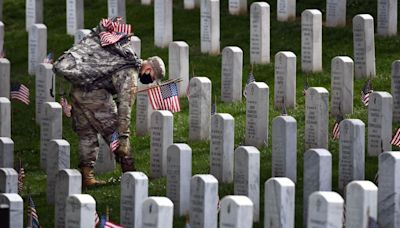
[363, 17]
[320, 90]
[283, 181]
[46, 66]
[223, 116]
[60, 142]
[260, 4]
[286, 54]
[135, 175]
[327, 196]
[360, 184]
[10, 197]
[390, 154]
[159, 200]
[4, 100]
[345, 59]
[205, 178]
[4, 60]
[6, 140]
[320, 151]
[82, 198]
[237, 200]
[382, 94]
[162, 113]
[234, 49]
[52, 105]
[8, 171]
[178, 44]
[200, 80]
[284, 119]
[38, 26]
[248, 149]
[311, 12]
[135, 38]
[357, 122]
[69, 172]
[259, 85]
[179, 147]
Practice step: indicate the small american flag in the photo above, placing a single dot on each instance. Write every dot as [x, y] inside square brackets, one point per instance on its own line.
[33, 218]
[396, 139]
[336, 129]
[306, 86]
[115, 30]
[96, 219]
[21, 178]
[250, 79]
[104, 223]
[49, 58]
[65, 106]
[114, 144]
[20, 92]
[165, 97]
[365, 92]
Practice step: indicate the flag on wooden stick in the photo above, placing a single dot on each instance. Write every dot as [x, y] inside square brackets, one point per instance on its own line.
[33, 218]
[365, 92]
[336, 129]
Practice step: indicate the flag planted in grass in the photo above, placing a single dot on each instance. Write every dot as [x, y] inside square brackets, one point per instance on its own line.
[114, 144]
[336, 128]
[250, 79]
[365, 92]
[21, 178]
[33, 218]
[20, 92]
[396, 138]
[65, 106]
[165, 97]
[49, 58]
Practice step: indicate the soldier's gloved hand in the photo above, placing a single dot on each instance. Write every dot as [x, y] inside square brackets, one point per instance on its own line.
[124, 147]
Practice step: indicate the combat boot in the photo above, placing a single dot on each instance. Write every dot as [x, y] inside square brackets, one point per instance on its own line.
[127, 164]
[123, 157]
[88, 179]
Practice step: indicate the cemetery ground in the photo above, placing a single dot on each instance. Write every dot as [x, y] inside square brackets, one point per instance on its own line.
[285, 36]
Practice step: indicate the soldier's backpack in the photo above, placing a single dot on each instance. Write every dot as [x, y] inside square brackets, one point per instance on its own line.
[88, 64]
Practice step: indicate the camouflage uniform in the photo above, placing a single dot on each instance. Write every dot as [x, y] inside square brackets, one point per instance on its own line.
[95, 112]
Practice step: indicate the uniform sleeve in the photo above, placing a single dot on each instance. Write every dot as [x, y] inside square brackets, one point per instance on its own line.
[125, 84]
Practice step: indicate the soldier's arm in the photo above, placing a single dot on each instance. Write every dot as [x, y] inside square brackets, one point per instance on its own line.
[125, 84]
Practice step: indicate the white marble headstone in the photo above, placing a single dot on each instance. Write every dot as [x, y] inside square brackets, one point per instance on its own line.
[80, 34]
[58, 158]
[6, 152]
[134, 190]
[143, 112]
[16, 205]
[50, 128]
[257, 112]
[284, 147]
[210, 27]
[157, 212]
[279, 203]
[105, 162]
[389, 189]
[199, 108]
[146, 2]
[236, 212]
[317, 118]
[325, 210]
[361, 203]
[203, 201]
[311, 41]
[231, 74]
[68, 182]
[380, 112]
[364, 46]
[5, 117]
[136, 44]
[222, 142]
[80, 211]
[317, 175]
[178, 63]
[247, 176]
[117, 8]
[285, 80]
[162, 135]
[351, 151]
[286, 10]
[33, 13]
[163, 23]
[342, 77]
[395, 91]
[45, 88]
[335, 13]
[237, 7]
[4, 78]
[259, 33]
[8, 180]
[179, 173]
[387, 17]
[75, 16]
[37, 50]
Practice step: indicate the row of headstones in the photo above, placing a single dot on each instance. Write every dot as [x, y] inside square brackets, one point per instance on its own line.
[198, 197]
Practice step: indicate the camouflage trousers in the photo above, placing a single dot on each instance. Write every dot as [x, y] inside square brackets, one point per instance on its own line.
[92, 113]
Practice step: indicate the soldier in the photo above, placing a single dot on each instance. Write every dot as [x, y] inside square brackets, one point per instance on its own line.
[96, 112]
[102, 66]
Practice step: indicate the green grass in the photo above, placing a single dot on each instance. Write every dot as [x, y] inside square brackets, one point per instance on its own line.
[234, 31]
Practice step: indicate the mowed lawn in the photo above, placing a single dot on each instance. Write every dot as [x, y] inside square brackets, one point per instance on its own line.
[234, 32]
